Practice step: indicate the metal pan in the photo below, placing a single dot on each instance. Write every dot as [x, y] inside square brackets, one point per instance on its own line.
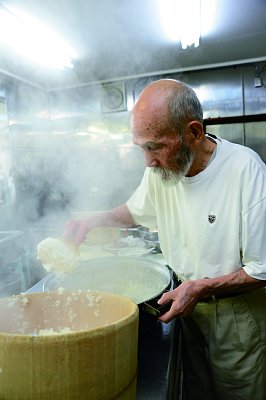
[138, 278]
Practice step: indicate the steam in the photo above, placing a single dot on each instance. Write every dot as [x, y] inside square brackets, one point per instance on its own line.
[64, 157]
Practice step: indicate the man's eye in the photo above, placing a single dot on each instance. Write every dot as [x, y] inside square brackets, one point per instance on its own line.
[153, 148]
[156, 149]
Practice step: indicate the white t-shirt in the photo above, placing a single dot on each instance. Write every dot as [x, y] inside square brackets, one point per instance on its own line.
[213, 223]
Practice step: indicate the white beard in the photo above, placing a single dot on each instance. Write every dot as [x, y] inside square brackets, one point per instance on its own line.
[184, 160]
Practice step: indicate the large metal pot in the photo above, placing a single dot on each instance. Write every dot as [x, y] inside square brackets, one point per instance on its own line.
[138, 278]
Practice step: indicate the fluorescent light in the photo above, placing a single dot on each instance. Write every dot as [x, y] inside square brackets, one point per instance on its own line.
[33, 39]
[181, 20]
[209, 16]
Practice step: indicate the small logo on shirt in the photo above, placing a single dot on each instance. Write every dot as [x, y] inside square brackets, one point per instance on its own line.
[211, 218]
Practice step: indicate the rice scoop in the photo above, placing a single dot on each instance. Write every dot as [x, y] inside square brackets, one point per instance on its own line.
[58, 255]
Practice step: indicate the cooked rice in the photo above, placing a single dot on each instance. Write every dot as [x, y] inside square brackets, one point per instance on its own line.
[57, 255]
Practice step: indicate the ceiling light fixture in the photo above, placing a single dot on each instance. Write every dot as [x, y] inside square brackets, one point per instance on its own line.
[181, 20]
[34, 40]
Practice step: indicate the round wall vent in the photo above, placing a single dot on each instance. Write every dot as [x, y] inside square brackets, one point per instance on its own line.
[113, 97]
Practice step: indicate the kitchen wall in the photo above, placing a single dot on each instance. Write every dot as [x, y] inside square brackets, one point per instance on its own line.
[68, 155]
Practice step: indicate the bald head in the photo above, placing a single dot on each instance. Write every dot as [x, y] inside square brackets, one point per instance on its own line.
[166, 122]
[166, 101]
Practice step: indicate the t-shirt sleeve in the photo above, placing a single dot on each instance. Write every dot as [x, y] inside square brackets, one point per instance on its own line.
[142, 202]
[254, 254]
[254, 225]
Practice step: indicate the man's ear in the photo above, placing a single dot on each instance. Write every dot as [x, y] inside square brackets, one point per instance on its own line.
[196, 129]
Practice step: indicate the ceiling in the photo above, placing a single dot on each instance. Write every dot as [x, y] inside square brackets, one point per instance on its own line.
[119, 39]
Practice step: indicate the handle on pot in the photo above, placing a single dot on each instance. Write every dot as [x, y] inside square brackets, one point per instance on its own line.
[152, 307]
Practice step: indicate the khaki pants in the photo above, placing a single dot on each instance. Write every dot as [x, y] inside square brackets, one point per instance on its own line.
[224, 349]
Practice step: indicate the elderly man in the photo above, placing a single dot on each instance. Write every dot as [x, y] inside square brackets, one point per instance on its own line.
[208, 199]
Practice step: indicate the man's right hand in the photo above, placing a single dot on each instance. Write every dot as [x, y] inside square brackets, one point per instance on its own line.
[76, 231]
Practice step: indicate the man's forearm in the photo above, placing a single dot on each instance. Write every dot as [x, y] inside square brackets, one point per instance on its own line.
[119, 217]
[76, 230]
[185, 297]
[238, 281]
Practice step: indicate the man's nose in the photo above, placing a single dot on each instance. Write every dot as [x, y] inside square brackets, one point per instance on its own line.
[150, 160]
